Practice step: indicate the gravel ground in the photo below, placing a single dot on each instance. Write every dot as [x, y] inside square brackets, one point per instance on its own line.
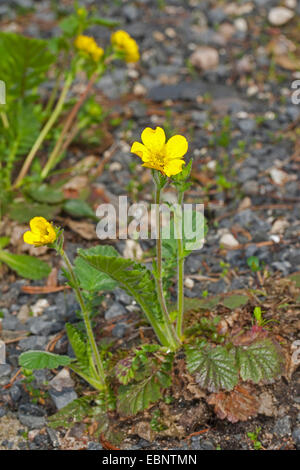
[207, 72]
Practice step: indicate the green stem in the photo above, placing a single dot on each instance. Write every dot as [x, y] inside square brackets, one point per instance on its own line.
[180, 269]
[168, 327]
[51, 121]
[96, 356]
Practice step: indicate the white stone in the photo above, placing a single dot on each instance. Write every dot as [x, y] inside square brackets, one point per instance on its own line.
[228, 241]
[241, 24]
[279, 16]
[62, 380]
[279, 226]
[205, 58]
[139, 90]
[189, 283]
[38, 308]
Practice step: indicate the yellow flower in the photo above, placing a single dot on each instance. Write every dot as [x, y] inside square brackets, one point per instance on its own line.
[89, 45]
[161, 155]
[125, 44]
[41, 232]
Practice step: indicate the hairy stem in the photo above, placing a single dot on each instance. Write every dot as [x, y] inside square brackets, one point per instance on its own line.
[180, 269]
[169, 330]
[96, 356]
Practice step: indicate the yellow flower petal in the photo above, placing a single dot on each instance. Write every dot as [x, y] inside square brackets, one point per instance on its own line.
[38, 224]
[30, 238]
[176, 147]
[140, 150]
[154, 139]
[173, 167]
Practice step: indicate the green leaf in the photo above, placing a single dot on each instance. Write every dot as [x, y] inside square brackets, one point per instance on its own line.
[78, 344]
[42, 360]
[23, 131]
[24, 63]
[193, 303]
[234, 301]
[133, 277]
[215, 368]
[137, 397]
[107, 22]
[45, 193]
[72, 413]
[79, 208]
[92, 279]
[296, 279]
[259, 361]
[4, 241]
[24, 211]
[25, 265]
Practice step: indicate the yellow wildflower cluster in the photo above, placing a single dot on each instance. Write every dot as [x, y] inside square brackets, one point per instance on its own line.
[124, 43]
[41, 232]
[156, 153]
[89, 45]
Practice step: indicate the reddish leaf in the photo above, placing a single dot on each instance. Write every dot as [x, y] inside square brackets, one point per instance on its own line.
[237, 405]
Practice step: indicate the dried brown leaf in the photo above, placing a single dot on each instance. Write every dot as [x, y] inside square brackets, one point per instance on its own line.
[236, 405]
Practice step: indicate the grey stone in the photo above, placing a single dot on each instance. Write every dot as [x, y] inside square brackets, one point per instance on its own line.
[282, 427]
[114, 311]
[247, 125]
[94, 446]
[33, 342]
[32, 416]
[131, 13]
[296, 437]
[119, 330]
[2, 411]
[42, 327]
[63, 398]
[15, 393]
[250, 188]
[122, 296]
[5, 370]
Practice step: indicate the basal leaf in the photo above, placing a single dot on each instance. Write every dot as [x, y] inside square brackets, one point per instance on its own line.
[71, 414]
[259, 361]
[215, 368]
[137, 397]
[42, 360]
[79, 208]
[24, 211]
[235, 300]
[25, 265]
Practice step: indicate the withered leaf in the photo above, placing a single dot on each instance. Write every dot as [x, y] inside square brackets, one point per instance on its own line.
[236, 405]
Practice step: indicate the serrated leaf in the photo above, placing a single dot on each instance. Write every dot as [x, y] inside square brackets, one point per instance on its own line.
[72, 413]
[134, 278]
[78, 344]
[236, 405]
[259, 361]
[42, 360]
[215, 368]
[24, 62]
[234, 301]
[25, 265]
[92, 279]
[137, 397]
